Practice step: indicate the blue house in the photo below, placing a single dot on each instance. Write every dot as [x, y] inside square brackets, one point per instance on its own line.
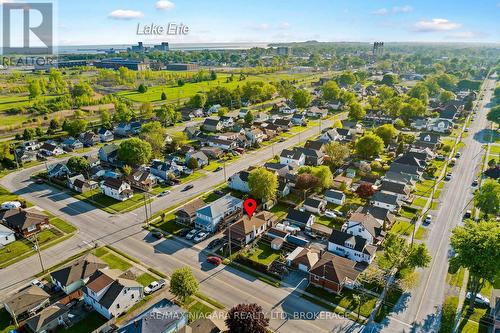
[162, 317]
[222, 210]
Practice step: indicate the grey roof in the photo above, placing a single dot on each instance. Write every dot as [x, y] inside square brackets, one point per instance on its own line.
[385, 198]
[404, 168]
[46, 316]
[315, 145]
[78, 270]
[298, 216]
[434, 138]
[360, 244]
[397, 176]
[211, 121]
[292, 154]
[220, 206]
[394, 187]
[339, 195]
[313, 202]
[379, 213]
[160, 317]
[409, 159]
[370, 223]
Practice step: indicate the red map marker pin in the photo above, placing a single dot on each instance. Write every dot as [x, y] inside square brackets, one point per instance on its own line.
[249, 205]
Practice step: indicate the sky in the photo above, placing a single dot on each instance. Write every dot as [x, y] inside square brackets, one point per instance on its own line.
[92, 22]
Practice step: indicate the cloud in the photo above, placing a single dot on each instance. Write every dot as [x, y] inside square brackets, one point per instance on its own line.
[165, 5]
[436, 24]
[393, 10]
[125, 14]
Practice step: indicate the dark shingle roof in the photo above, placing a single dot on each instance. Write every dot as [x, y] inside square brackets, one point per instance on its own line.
[298, 216]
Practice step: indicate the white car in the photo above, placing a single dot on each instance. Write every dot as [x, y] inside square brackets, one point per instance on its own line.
[154, 286]
[480, 299]
[201, 236]
[428, 219]
[10, 205]
[192, 233]
[330, 214]
[37, 283]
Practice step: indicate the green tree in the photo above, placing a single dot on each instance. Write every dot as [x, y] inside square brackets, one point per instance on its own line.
[477, 250]
[387, 132]
[399, 254]
[369, 145]
[82, 89]
[249, 117]
[4, 150]
[247, 318]
[75, 127]
[356, 111]
[183, 283]
[122, 113]
[178, 139]
[446, 96]
[192, 164]
[34, 89]
[301, 98]
[166, 114]
[337, 153]
[29, 134]
[127, 170]
[389, 79]
[331, 91]
[106, 120]
[198, 101]
[494, 115]
[488, 199]
[155, 135]
[421, 92]
[263, 184]
[213, 75]
[54, 124]
[142, 88]
[324, 175]
[346, 79]
[146, 110]
[78, 165]
[163, 96]
[385, 93]
[135, 151]
[222, 111]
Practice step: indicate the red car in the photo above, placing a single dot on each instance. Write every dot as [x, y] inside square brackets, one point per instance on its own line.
[214, 260]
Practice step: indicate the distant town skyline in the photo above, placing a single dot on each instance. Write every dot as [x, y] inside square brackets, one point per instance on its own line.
[115, 21]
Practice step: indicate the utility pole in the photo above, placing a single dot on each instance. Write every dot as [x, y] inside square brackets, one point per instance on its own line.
[38, 250]
[224, 167]
[229, 241]
[146, 209]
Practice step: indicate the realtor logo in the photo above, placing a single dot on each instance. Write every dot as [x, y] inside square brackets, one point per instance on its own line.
[27, 28]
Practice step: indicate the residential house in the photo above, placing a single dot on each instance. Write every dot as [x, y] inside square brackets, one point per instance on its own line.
[58, 170]
[341, 182]
[49, 318]
[109, 154]
[212, 152]
[93, 160]
[117, 189]
[386, 200]
[283, 124]
[75, 275]
[199, 156]
[301, 219]
[315, 205]
[97, 172]
[335, 105]
[420, 124]
[51, 149]
[298, 119]
[227, 121]
[110, 294]
[223, 144]
[441, 125]
[313, 157]
[7, 236]
[397, 177]
[191, 132]
[377, 118]
[366, 226]
[295, 157]
[315, 112]
[335, 197]
[284, 188]
[31, 145]
[218, 213]
[255, 135]
[403, 191]
[162, 317]
[105, 135]
[187, 214]
[315, 145]
[246, 229]
[79, 184]
[161, 169]
[412, 160]
[123, 129]
[142, 179]
[450, 112]
[330, 135]
[382, 215]
[349, 246]
[243, 112]
[333, 273]
[27, 302]
[346, 135]
[71, 144]
[25, 222]
[239, 181]
[427, 140]
[303, 258]
[214, 109]
[412, 171]
[89, 139]
[25, 156]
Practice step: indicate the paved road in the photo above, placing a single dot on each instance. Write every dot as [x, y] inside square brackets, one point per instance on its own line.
[124, 231]
[419, 311]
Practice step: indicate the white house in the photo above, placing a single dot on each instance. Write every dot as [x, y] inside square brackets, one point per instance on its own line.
[51, 149]
[239, 181]
[58, 170]
[330, 135]
[335, 197]
[110, 294]
[315, 205]
[224, 209]
[105, 135]
[355, 248]
[441, 125]
[246, 230]
[214, 108]
[117, 189]
[386, 200]
[7, 236]
[292, 156]
[364, 225]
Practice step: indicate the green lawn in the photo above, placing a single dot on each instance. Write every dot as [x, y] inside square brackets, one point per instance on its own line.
[450, 305]
[470, 322]
[169, 224]
[408, 212]
[109, 204]
[329, 222]
[62, 225]
[199, 310]
[455, 277]
[263, 254]
[145, 279]
[406, 228]
[24, 247]
[279, 210]
[115, 262]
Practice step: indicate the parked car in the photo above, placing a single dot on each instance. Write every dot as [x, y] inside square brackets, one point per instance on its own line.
[448, 176]
[199, 237]
[480, 299]
[458, 154]
[338, 212]
[39, 181]
[440, 158]
[214, 260]
[219, 168]
[330, 214]
[184, 232]
[10, 205]
[192, 233]
[154, 286]
[466, 129]
[475, 183]
[282, 140]
[37, 283]
[428, 219]
[157, 234]
[214, 243]
[188, 187]
[468, 214]
[219, 192]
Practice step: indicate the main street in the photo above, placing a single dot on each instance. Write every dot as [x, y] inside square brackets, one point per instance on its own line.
[420, 311]
[124, 231]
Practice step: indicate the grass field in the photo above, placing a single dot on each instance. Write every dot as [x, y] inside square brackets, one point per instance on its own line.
[24, 246]
[199, 310]
[406, 229]
[115, 262]
[109, 204]
[263, 254]
[145, 279]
